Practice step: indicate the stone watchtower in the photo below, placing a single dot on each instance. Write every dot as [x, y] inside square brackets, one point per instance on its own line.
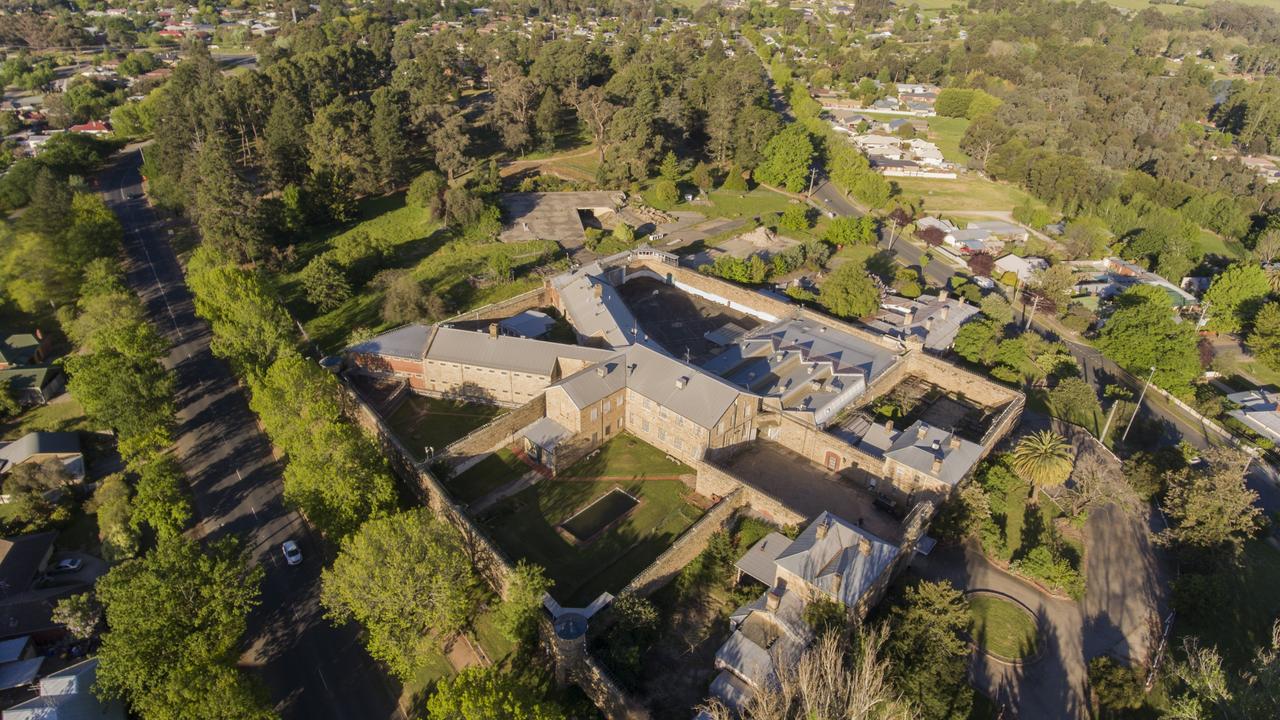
[570, 645]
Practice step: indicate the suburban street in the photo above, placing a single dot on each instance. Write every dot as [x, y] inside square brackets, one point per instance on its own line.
[311, 669]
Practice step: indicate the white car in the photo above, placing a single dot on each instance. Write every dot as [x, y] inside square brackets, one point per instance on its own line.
[292, 554]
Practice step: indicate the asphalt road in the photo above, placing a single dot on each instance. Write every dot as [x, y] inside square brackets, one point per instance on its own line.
[312, 670]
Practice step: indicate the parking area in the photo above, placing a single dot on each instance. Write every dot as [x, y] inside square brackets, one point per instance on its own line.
[677, 320]
[809, 488]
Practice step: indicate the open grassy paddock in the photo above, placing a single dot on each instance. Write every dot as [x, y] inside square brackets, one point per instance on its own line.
[1001, 627]
[62, 415]
[420, 245]
[968, 193]
[525, 524]
[422, 422]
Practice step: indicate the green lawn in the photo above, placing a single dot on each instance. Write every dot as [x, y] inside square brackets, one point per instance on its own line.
[63, 415]
[496, 645]
[1213, 244]
[1002, 628]
[627, 457]
[1245, 609]
[524, 525]
[433, 667]
[736, 204]
[1023, 530]
[486, 476]
[420, 245]
[422, 422]
[968, 193]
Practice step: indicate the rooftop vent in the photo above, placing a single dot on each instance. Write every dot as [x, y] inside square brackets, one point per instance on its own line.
[600, 371]
[681, 382]
[936, 446]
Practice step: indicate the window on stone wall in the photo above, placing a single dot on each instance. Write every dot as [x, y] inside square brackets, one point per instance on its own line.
[594, 413]
[606, 406]
[645, 424]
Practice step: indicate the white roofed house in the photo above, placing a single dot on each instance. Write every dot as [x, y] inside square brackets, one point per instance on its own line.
[1025, 268]
[1258, 410]
[831, 559]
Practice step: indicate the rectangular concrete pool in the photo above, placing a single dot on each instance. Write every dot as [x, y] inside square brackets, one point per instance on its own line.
[606, 510]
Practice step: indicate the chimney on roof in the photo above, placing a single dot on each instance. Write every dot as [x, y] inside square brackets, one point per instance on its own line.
[600, 370]
[946, 310]
[943, 295]
[597, 290]
[921, 429]
[493, 330]
[681, 382]
[888, 426]
[935, 446]
[937, 464]
[911, 316]
[837, 580]
[864, 545]
[954, 442]
[771, 599]
[928, 323]
[823, 527]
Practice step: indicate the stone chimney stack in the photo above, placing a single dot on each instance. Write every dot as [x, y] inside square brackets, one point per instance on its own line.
[921, 429]
[928, 323]
[600, 371]
[943, 295]
[911, 316]
[597, 291]
[823, 527]
[954, 442]
[493, 330]
[864, 546]
[937, 464]
[888, 426]
[837, 581]
[942, 314]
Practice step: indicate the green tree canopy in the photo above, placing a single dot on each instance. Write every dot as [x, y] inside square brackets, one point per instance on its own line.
[334, 475]
[849, 292]
[787, 158]
[1142, 334]
[1211, 508]
[1235, 296]
[402, 577]
[489, 693]
[518, 614]
[927, 645]
[175, 618]
[1264, 341]
[1043, 458]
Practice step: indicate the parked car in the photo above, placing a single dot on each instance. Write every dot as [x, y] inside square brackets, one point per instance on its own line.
[66, 565]
[292, 554]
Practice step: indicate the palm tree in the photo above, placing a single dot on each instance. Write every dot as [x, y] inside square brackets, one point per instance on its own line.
[1043, 459]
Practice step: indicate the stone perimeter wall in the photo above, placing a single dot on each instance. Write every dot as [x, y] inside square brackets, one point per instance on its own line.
[497, 433]
[536, 298]
[490, 562]
[686, 547]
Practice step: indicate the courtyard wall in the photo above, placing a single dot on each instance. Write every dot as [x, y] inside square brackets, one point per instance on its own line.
[499, 432]
[690, 543]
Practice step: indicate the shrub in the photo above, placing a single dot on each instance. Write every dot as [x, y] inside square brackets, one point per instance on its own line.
[735, 179]
[795, 217]
[1116, 686]
[665, 193]
[1052, 569]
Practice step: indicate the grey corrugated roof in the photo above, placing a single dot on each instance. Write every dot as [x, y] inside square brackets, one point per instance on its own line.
[19, 672]
[38, 443]
[505, 352]
[605, 316]
[917, 446]
[18, 348]
[66, 695]
[760, 562]
[935, 322]
[20, 558]
[12, 649]
[703, 399]
[545, 433]
[837, 553]
[408, 342]
[733, 692]
[530, 323]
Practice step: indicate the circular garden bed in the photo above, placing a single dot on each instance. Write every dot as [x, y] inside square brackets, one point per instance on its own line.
[1002, 627]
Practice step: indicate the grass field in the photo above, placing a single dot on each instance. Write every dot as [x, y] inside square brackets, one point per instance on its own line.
[525, 524]
[736, 204]
[422, 422]
[486, 476]
[1002, 628]
[1212, 244]
[970, 193]
[419, 245]
[64, 414]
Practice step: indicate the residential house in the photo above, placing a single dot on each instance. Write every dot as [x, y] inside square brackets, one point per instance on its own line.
[34, 384]
[1025, 268]
[1258, 410]
[23, 559]
[17, 349]
[999, 229]
[68, 695]
[39, 447]
[832, 559]
[93, 127]
[19, 663]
